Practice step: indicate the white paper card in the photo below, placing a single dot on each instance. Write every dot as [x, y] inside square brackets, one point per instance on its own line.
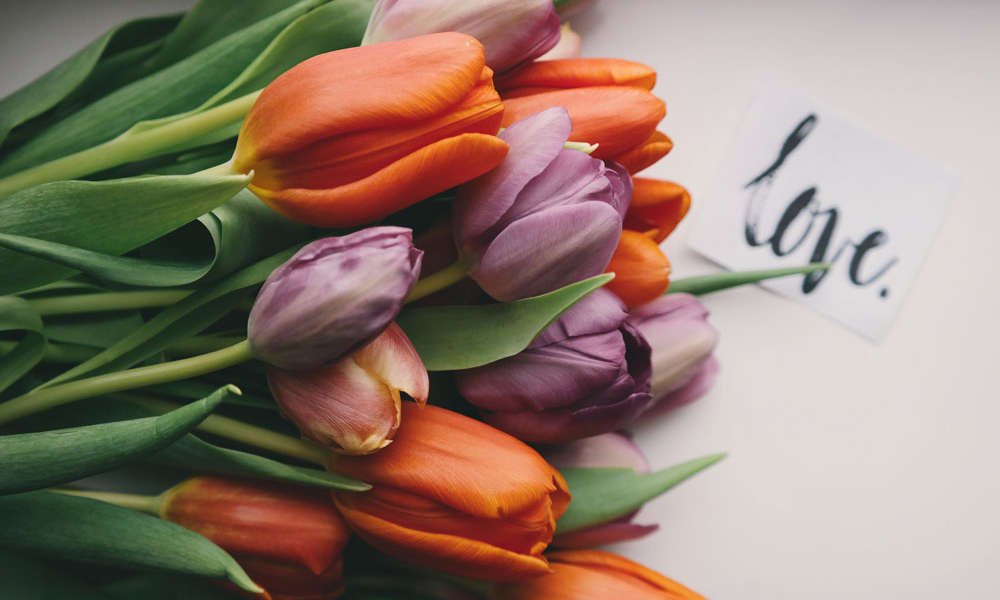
[802, 184]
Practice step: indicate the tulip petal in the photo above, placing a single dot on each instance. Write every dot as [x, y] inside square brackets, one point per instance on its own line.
[342, 406]
[572, 177]
[428, 171]
[695, 388]
[657, 206]
[579, 241]
[642, 272]
[656, 146]
[342, 159]
[616, 118]
[563, 425]
[612, 564]
[548, 377]
[460, 555]
[598, 312]
[534, 143]
[277, 521]
[488, 473]
[601, 535]
[392, 359]
[607, 450]
[405, 81]
[511, 32]
[548, 75]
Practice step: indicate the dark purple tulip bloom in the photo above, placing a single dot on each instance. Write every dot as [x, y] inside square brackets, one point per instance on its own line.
[607, 450]
[333, 296]
[682, 342]
[546, 217]
[588, 373]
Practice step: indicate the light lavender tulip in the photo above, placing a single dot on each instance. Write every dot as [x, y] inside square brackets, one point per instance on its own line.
[614, 450]
[546, 217]
[682, 343]
[511, 31]
[332, 297]
[587, 373]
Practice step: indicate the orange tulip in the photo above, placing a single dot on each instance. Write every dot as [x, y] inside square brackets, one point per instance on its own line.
[551, 75]
[642, 272]
[657, 207]
[608, 101]
[288, 538]
[351, 136]
[454, 494]
[594, 574]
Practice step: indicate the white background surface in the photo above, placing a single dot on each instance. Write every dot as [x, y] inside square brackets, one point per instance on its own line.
[855, 470]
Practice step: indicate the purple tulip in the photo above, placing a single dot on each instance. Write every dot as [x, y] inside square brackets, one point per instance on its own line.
[588, 373]
[332, 297]
[546, 217]
[682, 343]
[512, 31]
[607, 450]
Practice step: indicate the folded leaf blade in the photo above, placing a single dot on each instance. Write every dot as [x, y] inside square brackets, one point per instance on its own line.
[37, 460]
[451, 338]
[80, 529]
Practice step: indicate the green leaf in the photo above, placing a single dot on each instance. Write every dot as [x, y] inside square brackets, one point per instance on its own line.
[212, 20]
[48, 90]
[190, 452]
[98, 330]
[27, 578]
[450, 338]
[178, 88]
[603, 494]
[240, 231]
[38, 460]
[112, 217]
[162, 330]
[333, 26]
[336, 25]
[17, 315]
[721, 281]
[85, 530]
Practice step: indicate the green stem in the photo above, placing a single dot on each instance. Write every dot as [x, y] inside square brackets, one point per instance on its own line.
[120, 381]
[146, 504]
[68, 353]
[131, 146]
[721, 281]
[435, 282]
[108, 301]
[251, 435]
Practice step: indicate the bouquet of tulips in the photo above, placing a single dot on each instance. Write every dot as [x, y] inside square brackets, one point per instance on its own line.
[371, 285]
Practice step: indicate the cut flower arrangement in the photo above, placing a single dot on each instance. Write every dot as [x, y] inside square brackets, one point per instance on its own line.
[373, 288]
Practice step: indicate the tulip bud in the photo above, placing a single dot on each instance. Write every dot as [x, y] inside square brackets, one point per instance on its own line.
[353, 405]
[569, 46]
[455, 495]
[682, 342]
[587, 373]
[642, 272]
[511, 31]
[332, 296]
[349, 137]
[608, 101]
[546, 217]
[288, 538]
[609, 450]
[596, 575]
[657, 207]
